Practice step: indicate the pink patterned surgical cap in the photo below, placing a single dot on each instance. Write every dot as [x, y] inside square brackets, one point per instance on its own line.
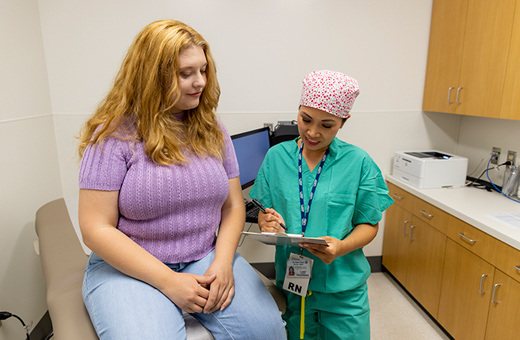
[329, 91]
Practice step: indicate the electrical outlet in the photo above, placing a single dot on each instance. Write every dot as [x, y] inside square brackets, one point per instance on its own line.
[495, 152]
[511, 157]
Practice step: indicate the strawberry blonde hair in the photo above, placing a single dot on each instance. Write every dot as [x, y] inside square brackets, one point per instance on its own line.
[146, 89]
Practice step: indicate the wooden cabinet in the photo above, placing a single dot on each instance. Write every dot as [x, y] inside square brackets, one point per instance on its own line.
[425, 261]
[507, 259]
[467, 56]
[467, 284]
[473, 239]
[477, 301]
[401, 197]
[504, 312]
[396, 241]
[466, 279]
[430, 214]
[445, 50]
[510, 108]
[413, 250]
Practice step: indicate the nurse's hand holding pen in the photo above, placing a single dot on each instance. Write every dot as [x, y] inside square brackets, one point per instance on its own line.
[270, 221]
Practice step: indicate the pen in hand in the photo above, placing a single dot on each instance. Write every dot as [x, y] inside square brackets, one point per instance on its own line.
[262, 209]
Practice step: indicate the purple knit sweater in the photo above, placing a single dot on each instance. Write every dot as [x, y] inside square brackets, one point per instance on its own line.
[171, 211]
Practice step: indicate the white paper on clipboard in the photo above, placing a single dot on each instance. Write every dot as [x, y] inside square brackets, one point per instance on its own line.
[282, 239]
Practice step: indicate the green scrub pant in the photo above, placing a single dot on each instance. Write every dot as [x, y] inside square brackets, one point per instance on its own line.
[330, 316]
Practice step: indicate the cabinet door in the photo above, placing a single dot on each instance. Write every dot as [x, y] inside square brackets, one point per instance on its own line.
[467, 284]
[507, 259]
[396, 242]
[504, 312]
[425, 263]
[484, 60]
[444, 54]
[510, 108]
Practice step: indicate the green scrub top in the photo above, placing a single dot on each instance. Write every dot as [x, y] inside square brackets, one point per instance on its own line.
[350, 191]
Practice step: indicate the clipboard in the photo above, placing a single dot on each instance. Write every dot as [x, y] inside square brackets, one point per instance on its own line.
[283, 239]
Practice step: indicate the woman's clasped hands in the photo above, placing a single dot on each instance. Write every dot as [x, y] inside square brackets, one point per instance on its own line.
[202, 293]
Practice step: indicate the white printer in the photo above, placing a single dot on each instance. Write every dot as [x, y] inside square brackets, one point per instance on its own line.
[430, 169]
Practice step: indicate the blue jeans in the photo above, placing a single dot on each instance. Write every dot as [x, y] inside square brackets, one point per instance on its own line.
[122, 307]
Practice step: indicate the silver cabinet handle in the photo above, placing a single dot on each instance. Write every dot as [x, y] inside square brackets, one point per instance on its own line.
[411, 230]
[457, 99]
[398, 197]
[480, 288]
[449, 95]
[517, 268]
[494, 291]
[426, 214]
[467, 239]
[404, 228]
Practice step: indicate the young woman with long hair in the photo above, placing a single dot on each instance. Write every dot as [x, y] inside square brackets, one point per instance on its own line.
[158, 177]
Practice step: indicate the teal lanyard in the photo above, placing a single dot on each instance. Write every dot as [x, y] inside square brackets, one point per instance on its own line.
[305, 212]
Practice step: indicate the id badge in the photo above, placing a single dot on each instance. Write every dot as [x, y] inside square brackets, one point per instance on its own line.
[298, 274]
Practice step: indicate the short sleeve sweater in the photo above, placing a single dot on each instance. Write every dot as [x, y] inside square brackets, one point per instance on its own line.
[172, 211]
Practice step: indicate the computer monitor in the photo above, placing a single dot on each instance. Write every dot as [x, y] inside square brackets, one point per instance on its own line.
[250, 148]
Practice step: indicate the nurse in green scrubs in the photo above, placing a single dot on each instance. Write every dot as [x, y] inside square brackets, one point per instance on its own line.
[321, 186]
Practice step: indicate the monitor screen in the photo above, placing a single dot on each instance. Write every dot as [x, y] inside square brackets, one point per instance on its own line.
[250, 148]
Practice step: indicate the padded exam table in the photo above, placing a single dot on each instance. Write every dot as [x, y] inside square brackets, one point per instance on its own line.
[64, 257]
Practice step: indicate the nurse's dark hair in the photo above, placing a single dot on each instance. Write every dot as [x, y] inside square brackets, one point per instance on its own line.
[146, 89]
[343, 120]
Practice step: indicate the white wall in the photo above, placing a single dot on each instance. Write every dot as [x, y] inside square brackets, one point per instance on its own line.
[262, 50]
[477, 137]
[29, 162]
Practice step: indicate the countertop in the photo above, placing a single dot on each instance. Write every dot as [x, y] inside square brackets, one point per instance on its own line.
[472, 206]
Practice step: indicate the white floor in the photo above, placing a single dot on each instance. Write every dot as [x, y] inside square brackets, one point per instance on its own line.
[394, 315]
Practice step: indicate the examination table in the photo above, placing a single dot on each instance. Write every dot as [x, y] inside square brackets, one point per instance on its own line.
[63, 261]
